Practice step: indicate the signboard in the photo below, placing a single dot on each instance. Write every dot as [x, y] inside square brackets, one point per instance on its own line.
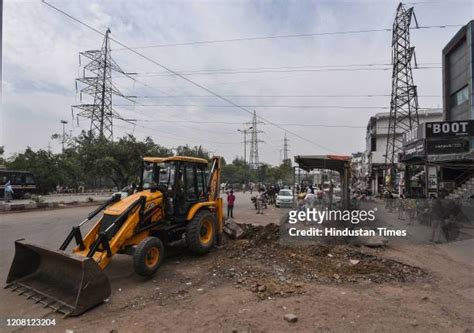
[432, 178]
[414, 149]
[447, 146]
[450, 129]
[415, 134]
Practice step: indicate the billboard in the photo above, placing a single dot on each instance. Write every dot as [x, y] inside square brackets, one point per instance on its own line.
[450, 129]
[447, 146]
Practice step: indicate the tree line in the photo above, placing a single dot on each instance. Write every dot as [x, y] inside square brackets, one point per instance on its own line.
[92, 162]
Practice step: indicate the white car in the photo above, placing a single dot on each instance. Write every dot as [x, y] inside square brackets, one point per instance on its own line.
[284, 198]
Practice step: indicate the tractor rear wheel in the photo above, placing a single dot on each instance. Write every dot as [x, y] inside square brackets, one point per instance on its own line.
[201, 232]
[148, 256]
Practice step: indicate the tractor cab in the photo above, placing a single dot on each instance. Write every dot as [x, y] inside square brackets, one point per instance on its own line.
[181, 179]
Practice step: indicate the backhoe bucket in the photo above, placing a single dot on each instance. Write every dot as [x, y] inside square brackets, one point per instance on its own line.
[67, 283]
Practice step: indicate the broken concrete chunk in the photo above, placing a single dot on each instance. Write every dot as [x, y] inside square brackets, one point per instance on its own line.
[232, 229]
[291, 318]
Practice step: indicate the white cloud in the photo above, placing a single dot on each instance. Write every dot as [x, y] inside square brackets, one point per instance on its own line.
[41, 50]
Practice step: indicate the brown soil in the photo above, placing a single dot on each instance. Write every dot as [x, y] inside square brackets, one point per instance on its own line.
[249, 285]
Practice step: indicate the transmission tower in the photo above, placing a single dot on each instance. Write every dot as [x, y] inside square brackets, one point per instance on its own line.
[404, 101]
[254, 141]
[99, 85]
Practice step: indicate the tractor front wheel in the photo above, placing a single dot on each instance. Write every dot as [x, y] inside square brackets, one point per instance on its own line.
[148, 256]
[201, 232]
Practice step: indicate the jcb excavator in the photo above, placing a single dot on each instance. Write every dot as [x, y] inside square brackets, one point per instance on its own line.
[177, 197]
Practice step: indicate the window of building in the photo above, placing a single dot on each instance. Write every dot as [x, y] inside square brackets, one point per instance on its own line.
[373, 144]
[460, 96]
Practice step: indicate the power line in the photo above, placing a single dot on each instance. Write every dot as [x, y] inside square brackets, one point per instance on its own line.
[329, 66]
[329, 33]
[181, 76]
[265, 106]
[290, 70]
[283, 96]
[240, 123]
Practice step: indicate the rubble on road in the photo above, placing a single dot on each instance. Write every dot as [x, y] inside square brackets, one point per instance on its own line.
[258, 262]
[233, 229]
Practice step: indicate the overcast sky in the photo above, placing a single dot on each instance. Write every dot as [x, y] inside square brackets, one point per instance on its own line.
[40, 65]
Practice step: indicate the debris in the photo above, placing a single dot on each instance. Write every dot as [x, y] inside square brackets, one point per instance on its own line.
[291, 318]
[68, 331]
[282, 271]
[200, 289]
[232, 229]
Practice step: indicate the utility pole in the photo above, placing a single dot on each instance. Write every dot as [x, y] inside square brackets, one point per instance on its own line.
[99, 85]
[404, 101]
[64, 122]
[285, 148]
[254, 161]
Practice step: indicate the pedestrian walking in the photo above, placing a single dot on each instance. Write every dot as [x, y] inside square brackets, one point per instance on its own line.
[230, 204]
[260, 199]
[8, 192]
[438, 215]
[411, 210]
[309, 199]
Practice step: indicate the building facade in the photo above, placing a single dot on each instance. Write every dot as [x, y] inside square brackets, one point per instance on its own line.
[458, 79]
[376, 143]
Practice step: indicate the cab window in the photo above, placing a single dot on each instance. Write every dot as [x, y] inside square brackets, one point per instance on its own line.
[201, 182]
[191, 193]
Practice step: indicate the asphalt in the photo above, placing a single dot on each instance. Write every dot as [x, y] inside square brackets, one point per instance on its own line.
[47, 228]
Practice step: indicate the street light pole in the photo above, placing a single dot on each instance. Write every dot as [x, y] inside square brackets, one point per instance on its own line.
[64, 122]
[245, 131]
[245, 144]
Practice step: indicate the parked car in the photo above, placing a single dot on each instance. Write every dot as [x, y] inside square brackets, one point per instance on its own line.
[284, 198]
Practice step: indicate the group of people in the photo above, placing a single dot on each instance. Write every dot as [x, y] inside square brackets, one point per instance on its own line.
[438, 213]
[312, 196]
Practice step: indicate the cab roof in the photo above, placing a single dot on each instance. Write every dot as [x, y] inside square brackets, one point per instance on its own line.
[175, 158]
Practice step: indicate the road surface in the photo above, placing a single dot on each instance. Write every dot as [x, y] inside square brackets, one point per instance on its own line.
[185, 287]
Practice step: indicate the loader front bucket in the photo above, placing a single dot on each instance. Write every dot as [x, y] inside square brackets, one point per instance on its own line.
[67, 283]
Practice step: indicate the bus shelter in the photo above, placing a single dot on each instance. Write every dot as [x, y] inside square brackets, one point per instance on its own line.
[338, 163]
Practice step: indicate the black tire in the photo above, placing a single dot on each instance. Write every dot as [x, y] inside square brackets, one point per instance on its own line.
[145, 262]
[199, 238]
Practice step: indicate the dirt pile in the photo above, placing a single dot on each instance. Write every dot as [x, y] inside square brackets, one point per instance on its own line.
[261, 264]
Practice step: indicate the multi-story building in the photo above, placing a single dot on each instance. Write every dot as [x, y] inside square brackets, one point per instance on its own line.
[458, 78]
[439, 155]
[455, 164]
[376, 144]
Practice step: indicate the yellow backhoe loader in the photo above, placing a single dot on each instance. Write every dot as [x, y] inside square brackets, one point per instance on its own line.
[177, 197]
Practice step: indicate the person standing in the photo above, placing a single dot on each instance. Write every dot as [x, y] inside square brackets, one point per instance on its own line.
[8, 192]
[230, 204]
[260, 198]
[309, 199]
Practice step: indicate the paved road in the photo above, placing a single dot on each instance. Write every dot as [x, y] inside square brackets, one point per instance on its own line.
[46, 228]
